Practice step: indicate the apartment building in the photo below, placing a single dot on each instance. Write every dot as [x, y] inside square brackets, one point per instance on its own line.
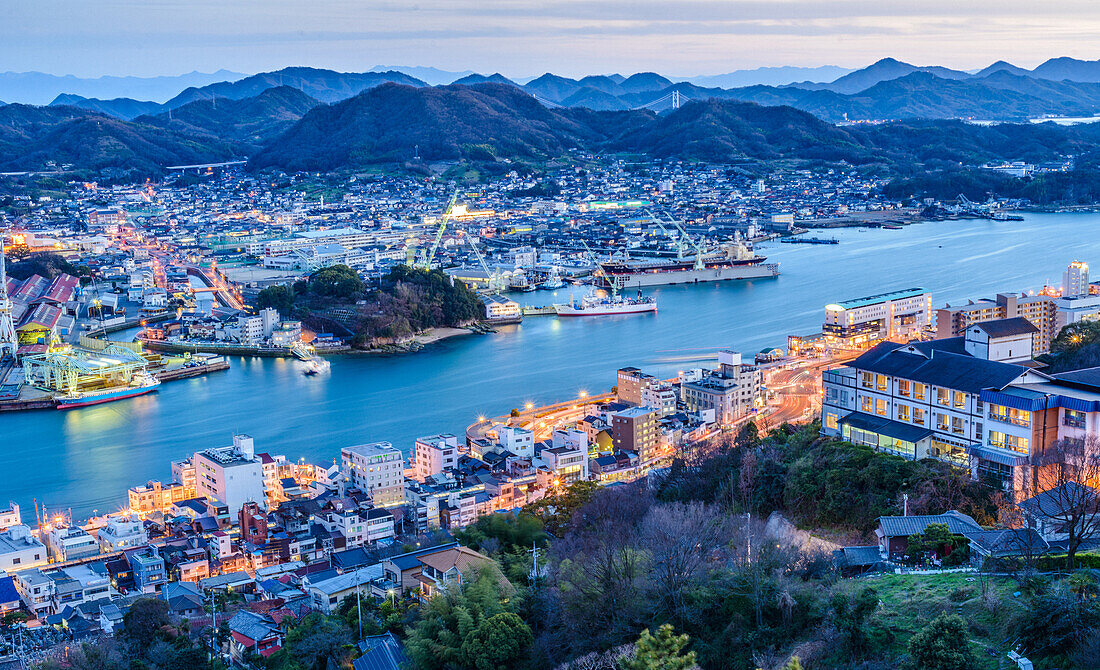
[434, 454]
[1040, 310]
[232, 475]
[660, 398]
[377, 469]
[729, 392]
[19, 549]
[517, 440]
[635, 429]
[897, 314]
[67, 544]
[629, 385]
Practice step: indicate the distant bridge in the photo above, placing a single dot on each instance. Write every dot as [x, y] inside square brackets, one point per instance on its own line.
[204, 166]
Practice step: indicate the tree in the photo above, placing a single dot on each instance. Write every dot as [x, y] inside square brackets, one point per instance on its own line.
[497, 642]
[942, 645]
[1062, 495]
[279, 297]
[851, 616]
[143, 622]
[663, 651]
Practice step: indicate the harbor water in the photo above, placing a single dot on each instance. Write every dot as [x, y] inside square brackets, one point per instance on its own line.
[87, 458]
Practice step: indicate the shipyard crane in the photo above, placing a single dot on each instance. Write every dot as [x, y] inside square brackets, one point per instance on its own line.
[679, 240]
[700, 246]
[427, 257]
[613, 282]
[494, 278]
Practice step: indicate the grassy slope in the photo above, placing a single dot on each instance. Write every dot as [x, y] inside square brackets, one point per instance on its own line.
[911, 601]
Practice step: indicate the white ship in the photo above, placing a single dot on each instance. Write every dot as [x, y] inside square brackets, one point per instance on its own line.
[595, 305]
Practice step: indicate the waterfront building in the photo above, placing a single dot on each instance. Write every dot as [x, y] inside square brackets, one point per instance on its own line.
[120, 533]
[1040, 310]
[519, 441]
[629, 385]
[19, 549]
[499, 309]
[897, 314]
[434, 454]
[1075, 280]
[232, 475]
[10, 516]
[729, 392]
[156, 497]
[376, 469]
[635, 430]
[71, 543]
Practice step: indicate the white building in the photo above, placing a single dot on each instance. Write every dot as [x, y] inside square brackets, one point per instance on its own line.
[120, 533]
[729, 392]
[67, 544]
[661, 398]
[519, 441]
[897, 314]
[20, 550]
[434, 454]
[10, 516]
[1075, 280]
[232, 475]
[376, 469]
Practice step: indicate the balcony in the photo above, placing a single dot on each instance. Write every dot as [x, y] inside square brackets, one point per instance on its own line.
[1012, 420]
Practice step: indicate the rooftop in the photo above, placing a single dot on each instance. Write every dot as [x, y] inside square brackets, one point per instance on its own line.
[876, 299]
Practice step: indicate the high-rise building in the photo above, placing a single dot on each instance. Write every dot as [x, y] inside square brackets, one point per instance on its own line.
[1075, 280]
[635, 429]
[376, 469]
[1040, 310]
[232, 475]
[730, 391]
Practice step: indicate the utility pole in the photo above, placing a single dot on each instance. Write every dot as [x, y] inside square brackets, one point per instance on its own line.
[535, 569]
[359, 604]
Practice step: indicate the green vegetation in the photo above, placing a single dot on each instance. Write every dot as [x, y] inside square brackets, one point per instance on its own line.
[46, 265]
[409, 301]
[939, 541]
[942, 645]
[663, 651]
[149, 638]
[1076, 347]
[824, 483]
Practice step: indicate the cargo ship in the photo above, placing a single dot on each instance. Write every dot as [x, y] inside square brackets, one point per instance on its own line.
[595, 305]
[733, 261]
[142, 383]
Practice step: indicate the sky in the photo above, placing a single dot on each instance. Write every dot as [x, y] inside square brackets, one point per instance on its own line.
[89, 38]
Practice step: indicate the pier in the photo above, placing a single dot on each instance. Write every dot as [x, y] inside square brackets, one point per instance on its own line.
[810, 240]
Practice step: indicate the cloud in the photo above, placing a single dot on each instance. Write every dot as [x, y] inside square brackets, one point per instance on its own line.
[525, 36]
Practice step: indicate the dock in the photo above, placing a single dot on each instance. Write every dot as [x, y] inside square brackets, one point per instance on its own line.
[810, 240]
[543, 310]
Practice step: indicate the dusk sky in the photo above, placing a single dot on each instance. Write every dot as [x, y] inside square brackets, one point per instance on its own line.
[528, 37]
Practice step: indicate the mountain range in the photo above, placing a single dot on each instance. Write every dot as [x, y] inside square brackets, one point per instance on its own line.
[37, 88]
[888, 89]
[324, 120]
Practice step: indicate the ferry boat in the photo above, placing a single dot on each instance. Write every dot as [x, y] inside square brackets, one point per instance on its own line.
[733, 261]
[595, 305]
[142, 383]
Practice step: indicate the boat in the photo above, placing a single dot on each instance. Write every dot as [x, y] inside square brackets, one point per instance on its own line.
[520, 282]
[553, 281]
[314, 366]
[141, 384]
[593, 304]
[733, 261]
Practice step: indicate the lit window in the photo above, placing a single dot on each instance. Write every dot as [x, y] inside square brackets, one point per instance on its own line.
[881, 407]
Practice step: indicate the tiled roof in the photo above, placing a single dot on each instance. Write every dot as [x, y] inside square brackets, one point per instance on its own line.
[904, 526]
[922, 363]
